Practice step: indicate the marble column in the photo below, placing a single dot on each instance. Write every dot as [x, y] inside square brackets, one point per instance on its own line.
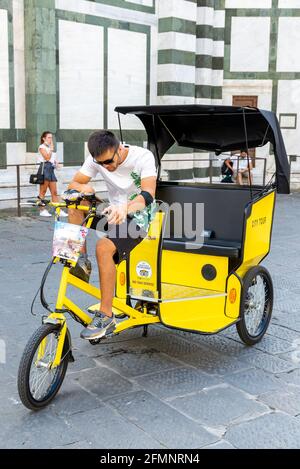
[40, 69]
[176, 51]
[210, 51]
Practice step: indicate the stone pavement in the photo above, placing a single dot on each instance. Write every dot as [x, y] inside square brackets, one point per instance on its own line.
[169, 390]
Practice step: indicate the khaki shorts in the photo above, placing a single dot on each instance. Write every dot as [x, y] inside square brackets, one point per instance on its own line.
[245, 175]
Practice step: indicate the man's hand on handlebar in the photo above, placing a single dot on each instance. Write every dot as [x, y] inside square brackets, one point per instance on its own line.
[115, 214]
[73, 195]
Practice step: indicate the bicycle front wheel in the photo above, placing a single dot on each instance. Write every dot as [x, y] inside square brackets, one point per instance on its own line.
[38, 382]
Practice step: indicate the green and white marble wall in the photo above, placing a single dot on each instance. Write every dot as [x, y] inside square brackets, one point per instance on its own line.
[4, 71]
[261, 40]
[176, 51]
[40, 67]
[12, 90]
[210, 51]
[106, 56]
[65, 65]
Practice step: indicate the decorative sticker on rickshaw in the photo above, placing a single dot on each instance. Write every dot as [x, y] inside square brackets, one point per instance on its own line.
[143, 269]
[68, 240]
[259, 221]
[142, 217]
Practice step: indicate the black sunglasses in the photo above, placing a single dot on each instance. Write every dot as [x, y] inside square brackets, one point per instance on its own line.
[106, 162]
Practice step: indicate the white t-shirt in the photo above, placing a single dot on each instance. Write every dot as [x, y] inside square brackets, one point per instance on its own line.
[124, 183]
[41, 159]
[243, 163]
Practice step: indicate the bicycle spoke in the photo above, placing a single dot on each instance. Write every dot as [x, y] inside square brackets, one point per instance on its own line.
[41, 375]
[256, 304]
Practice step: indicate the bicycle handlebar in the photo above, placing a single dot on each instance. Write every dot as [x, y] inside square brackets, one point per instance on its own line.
[73, 200]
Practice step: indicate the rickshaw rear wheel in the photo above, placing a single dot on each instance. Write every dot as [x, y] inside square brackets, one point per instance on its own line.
[256, 305]
[38, 384]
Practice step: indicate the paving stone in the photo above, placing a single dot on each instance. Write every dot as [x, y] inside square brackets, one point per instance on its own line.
[230, 332]
[81, 363]
[6, 375]
[72, 399]
[222, 444]
[286, 320]
[34, 430]
[270, 431]
[269, 362]
[223, 356]
[282, 400]
[84, 349]
[176, 382]
[77, 445]
[273, 345]
[254, 381]
[284, 282]
[283, 332]
[102, 382]
[290, 304]
[218, 406]
[105, 428]
[160, 421]
[215, 363]
[138, 361]
[175, 346]
[222, 344]
[292, 357]
[116, 344]
[293, 377]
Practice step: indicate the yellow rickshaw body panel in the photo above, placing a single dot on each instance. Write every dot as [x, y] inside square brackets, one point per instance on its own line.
[143, 265]
[204, 315]
[121, 281]
[183, 268]
[258, 230]
[233, 299]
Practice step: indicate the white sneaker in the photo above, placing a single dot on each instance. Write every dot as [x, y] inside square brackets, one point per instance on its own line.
[63, 214]
[45, 213]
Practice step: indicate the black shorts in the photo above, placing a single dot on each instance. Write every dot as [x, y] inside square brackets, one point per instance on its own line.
[125, 237]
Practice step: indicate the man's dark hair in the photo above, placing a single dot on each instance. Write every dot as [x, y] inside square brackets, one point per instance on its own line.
[101, 141]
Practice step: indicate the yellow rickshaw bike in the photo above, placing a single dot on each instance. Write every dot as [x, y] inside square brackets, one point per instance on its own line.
[201, 284]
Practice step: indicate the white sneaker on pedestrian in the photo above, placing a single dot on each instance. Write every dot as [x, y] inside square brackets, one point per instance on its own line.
[45, 213]
[63, 214]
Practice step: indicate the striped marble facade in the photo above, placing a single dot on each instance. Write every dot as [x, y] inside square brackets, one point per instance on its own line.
[65, 65]
[209, 51]
[190, 51]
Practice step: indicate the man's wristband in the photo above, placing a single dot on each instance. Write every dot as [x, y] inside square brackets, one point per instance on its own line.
[147, 197]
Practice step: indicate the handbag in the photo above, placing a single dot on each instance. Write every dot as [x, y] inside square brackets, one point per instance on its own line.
[39, 177]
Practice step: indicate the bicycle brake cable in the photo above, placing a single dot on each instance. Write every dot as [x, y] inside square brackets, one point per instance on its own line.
[41, 290]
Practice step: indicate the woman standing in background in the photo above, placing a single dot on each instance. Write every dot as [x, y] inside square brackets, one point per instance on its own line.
[47, 158]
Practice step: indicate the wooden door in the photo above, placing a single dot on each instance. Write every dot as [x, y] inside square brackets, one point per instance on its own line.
[243, 101]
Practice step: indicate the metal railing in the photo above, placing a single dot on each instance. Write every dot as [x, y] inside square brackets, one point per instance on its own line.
[18, 179]
[210, 167]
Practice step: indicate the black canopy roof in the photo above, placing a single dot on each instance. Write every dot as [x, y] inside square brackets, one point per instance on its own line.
[213, 128]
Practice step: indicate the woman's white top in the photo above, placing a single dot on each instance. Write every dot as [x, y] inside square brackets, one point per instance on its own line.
[243, 163]
[41, 159]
